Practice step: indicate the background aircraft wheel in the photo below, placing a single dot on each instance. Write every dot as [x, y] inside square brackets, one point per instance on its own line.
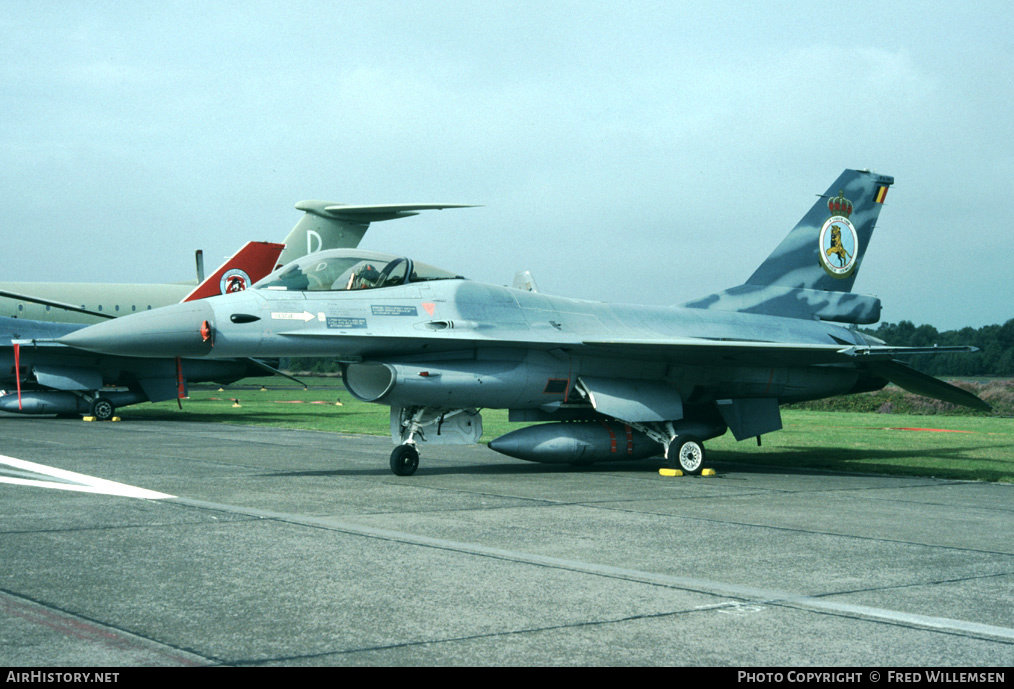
[103, 409]
[404, 460]
[688, 455]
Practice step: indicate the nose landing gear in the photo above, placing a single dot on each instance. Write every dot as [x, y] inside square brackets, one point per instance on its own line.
[405, 460]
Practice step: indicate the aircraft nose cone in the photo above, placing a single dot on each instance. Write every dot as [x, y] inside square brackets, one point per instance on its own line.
[179, 330]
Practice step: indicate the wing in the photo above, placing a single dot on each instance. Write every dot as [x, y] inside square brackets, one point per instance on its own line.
[878, 359]
[747, 352]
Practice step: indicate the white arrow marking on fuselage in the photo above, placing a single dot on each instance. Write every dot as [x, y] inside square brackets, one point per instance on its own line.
[283, 316]
[77, 482]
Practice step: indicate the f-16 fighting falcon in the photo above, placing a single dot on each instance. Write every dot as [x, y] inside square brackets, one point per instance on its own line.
[606, 381]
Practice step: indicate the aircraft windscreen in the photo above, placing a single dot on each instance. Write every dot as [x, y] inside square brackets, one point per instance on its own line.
[343, 271]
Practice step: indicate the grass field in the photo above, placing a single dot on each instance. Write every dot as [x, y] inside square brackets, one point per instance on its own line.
[958, 447]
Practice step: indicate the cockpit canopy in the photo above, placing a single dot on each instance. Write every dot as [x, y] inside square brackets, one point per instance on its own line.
[344, 269]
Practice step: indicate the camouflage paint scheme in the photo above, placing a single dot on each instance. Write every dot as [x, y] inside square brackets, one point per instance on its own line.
[791, 283]
[610, 379]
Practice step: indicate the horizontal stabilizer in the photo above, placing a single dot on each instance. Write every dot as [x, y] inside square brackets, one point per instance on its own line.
[926, 385]
[330, 225]
[377, 213]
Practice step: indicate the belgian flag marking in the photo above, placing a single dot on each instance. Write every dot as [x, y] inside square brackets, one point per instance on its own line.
[881, 194]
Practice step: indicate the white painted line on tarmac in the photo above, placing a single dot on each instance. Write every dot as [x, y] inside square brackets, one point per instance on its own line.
[73, 481]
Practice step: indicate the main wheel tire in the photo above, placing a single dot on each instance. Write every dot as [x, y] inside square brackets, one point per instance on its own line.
[404, 460]
[103, 409]
[688, 455]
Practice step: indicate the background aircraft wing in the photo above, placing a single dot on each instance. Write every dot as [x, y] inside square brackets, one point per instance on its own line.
[52, 302]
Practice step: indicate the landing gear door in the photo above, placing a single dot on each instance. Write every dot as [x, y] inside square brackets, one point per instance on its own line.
[633, 400]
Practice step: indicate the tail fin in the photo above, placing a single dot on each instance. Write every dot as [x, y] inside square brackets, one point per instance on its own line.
[811, 273]
[247, 266]
[825, 250]
[328, 225]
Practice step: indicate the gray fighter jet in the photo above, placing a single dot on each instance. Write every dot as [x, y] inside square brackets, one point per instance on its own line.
[609, 382]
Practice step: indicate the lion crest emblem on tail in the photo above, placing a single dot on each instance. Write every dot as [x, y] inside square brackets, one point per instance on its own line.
[839, 243]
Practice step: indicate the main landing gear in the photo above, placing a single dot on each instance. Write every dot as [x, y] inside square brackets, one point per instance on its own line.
[683, 452]
[687, 454]
[102, 409]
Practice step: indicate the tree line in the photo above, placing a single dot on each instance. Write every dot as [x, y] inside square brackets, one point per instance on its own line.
[994, 358]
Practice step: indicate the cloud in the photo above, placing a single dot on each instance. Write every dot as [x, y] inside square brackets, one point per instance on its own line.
[648, 140]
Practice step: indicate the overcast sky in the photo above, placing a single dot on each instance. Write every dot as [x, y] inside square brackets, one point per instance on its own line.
[622, 151]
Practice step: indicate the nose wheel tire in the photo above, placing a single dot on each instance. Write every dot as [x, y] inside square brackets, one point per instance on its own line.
[404, 460]
[103, 409]
[687, 454]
